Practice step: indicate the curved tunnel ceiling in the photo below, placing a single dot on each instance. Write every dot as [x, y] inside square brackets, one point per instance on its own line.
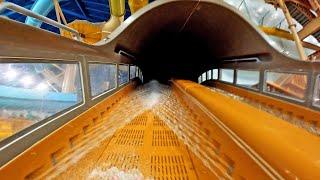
[170, 39]
[181, 39]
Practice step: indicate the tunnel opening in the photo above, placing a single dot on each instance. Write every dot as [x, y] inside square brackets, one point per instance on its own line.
[175, 55]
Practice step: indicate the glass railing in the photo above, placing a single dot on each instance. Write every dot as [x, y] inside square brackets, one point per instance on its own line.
[288, 85]
[31, 93]
[123, 74]
[102, 77]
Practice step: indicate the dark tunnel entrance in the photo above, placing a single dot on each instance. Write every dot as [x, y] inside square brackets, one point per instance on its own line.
[174, 55]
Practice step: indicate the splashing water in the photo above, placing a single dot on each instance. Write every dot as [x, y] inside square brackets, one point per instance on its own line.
[154, 94]
[142, 99]
[114, 173]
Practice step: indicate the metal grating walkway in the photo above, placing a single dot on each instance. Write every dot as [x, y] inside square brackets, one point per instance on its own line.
[146, 144]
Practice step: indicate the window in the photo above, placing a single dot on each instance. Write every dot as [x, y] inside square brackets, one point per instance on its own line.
[214, 73]
[199, 79]
[248, 78]
[137, 71]
[204, 76]
[132, 72]
[123, 74]
[140, 75]
[31, 92]
[286, 84]
[209, 75]
[226, 75]
[102, 77]
[316, 97]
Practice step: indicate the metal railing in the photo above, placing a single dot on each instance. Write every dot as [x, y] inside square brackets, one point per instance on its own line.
[27, 12]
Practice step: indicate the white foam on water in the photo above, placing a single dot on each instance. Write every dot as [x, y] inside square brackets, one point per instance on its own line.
[114, 173]
[144, 98]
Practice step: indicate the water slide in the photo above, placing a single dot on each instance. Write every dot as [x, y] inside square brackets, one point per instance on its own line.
[177, 129]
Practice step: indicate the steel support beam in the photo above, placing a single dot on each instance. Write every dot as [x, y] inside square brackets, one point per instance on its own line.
[292, 27]
[81, 8]
[286, 35]
[312, 27]
[77, 15]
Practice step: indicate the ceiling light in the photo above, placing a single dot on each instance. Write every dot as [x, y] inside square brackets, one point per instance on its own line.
[11, 74]
[42, 87]
[27, 81]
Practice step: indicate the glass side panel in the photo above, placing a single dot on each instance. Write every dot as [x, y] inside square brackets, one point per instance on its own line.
[31, 92]
[215, 73]
[102, 78]
[209, 74]
[226, 75]
[137, 71]
[132, 72]
[316, 97]
[286, 84]
[204, 76]
[248, 78]
[140, 74]
[123, 74]
[199, 79]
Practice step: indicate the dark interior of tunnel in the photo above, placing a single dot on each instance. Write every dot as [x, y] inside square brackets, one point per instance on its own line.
[168, 55]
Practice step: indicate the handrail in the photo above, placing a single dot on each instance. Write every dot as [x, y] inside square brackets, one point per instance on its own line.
[27, 12]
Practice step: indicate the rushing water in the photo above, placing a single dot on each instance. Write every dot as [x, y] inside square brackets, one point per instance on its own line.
[186, 124]
[144, 98]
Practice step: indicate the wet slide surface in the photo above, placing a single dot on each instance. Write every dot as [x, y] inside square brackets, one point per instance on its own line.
[144, 148]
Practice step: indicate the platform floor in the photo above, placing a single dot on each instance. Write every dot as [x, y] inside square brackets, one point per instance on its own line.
[145, 144]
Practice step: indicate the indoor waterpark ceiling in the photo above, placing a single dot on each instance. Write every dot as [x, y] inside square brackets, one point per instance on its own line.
[90, 10]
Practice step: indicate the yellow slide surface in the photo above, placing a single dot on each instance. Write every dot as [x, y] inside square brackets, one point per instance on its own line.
[147, 145]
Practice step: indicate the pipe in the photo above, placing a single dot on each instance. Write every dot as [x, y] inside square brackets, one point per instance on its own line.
[117, 10]
[292, 27]
[42, 7]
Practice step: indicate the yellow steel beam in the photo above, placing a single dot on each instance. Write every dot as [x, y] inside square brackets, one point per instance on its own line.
[135, 5]
[277, 32]
[272, 31]
[310, 28]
